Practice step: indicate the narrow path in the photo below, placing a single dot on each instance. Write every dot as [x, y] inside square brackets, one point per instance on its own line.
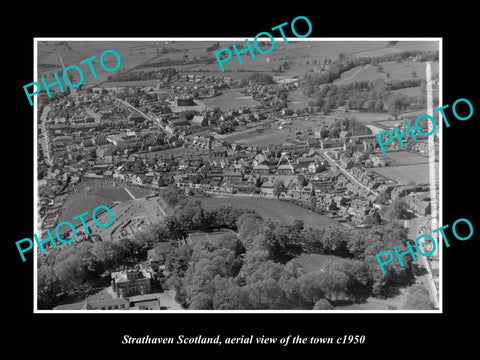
[157, 205]
[352, 76]
[129, 193]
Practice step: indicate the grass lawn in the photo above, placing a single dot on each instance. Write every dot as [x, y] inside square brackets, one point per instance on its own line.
[113, 193]
[296, 99]
[367, 117]
[398, 71]
[372, 303]
[271, 136]
[78, 203]
[406, 158]
[389, 123]
[314, 262]
[411, 91]
[276, 210]
[418, 173]
[230, 99]
[139, 192]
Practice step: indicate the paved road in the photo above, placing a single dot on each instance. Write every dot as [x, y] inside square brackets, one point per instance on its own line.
[416, 226]
[352, 76]
[129, 193]
[157, 205]
[123, 102]
[347, 174]
[44, 142]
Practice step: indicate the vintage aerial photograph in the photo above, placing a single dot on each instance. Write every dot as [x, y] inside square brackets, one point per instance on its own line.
[258, 188]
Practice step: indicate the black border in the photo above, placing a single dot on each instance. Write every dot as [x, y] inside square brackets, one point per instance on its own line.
[89, 334]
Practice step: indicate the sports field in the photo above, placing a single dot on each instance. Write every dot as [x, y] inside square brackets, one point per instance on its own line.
[78, 203]
[406, 158]
[417, 173]
[114, 193]
[230, 99]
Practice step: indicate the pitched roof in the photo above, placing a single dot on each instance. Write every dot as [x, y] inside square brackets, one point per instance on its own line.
[261, 167]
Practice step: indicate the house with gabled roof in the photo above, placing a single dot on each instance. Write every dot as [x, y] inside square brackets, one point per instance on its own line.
[261, 170]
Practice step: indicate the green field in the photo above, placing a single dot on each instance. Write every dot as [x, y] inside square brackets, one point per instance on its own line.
[367, 117]
[230, 99]
[139, 192]
[110, 192]
[134, 54]
[314, 262]
[139, 83]
[400, 46]
[389, 123]
[88, 200]
[410, 91]
[276, 210]
[417, 173]
[296, 99]
[78, 203]
[270, 136]
[131, 53]
[406, 158]
[398, 71]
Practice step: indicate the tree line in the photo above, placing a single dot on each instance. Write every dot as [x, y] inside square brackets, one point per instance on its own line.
[343, 64]
[169, 73]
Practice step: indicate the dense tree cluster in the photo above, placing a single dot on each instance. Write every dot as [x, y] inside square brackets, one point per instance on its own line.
[349, 124]
[397, 210]
[402, 84]
[371, 96]
[62, 271]
[258, 267]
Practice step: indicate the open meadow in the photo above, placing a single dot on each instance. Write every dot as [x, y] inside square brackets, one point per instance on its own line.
[273, 209]
[91, 197]
[78, 203]
[132, 53]
[397, 71]
[113, 193]
[303, 56]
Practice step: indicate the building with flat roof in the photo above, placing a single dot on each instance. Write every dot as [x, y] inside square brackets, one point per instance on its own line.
[132, 282]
